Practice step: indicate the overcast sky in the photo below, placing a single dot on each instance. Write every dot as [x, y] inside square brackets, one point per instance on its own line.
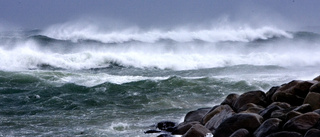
[43, 13]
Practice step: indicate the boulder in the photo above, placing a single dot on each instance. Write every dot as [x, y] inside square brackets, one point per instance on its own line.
[250, 108]
[317, 111]
[304, 108]
[283, 105]
[317, 126]
[293, 92]
[166, 126]
[302, 123]
[255, 97]
[183, 127]
[270, 93]
[292, 114]
[317, 78]
[281, 114]
[249, 121]
[230, 99]
[164, 135]
[215, 111]
[217, 119]
[313, 133]
[197, 130]
[285, 134]
[269, 126]
[313, 99]
[266, 113]
[196, 115]
[241, 133]
[315, 87]
[152, 131]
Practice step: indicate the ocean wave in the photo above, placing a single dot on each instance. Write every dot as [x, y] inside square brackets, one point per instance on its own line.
[79, 47]
[29, 55]
[78, 32]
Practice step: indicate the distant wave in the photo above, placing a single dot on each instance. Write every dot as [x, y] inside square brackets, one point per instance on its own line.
[178, 49]
[219, 34]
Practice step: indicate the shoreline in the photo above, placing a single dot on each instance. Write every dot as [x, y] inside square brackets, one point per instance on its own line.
[291, 109]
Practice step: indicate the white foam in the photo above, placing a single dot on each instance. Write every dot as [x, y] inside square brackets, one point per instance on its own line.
[90, 80]
[29, 55]
[78, 31]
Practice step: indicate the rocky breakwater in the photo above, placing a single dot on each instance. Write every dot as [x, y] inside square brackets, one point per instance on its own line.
[289, 110]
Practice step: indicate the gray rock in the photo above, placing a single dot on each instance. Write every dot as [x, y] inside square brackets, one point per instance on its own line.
[269, 126]
[302, 123]
[183, 127]
[197, 130]
[285, 134]
[250, 108]
[241, 133]
[255, 97]
[196, 115]
[313, 133]
[249, 121]
[315, 87]
[313, 99]
[220, 116]
[215, 111]
[293, 92]
[230, 99]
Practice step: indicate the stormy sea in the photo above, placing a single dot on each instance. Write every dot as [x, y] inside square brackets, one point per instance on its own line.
[82, 80]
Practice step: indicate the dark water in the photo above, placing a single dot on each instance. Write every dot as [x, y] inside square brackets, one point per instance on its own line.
[66, 81]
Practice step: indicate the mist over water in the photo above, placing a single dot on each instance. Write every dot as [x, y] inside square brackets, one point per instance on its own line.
[88, 79]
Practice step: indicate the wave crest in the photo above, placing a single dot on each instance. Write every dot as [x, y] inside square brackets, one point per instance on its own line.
[76, 32]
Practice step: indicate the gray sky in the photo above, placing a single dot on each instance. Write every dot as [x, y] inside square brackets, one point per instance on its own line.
[150, 13]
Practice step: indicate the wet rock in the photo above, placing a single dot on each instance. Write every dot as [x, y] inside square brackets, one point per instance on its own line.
[152, 131]
[266, 113]
[197, 130]
[164, 135]
[293, 92]
[302, 123]
[285, 134]
[249, 121]
[292, 114]
[317, 111]
[304, 108]
[317, 78]
[270, 93]
[267, 127]
[225, 111]
[166, 126]
[313, 99]
[250, 108]
[283, 105]
[255, 97]
[196, 115]
[315, 87]
[230, 99]
[313, 133]
[182, 128]
[317, 126]
[281, 114]
[275, 106]
[241, 133]
[215, 111]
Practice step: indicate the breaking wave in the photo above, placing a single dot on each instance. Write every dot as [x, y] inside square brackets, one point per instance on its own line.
[88, 47]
